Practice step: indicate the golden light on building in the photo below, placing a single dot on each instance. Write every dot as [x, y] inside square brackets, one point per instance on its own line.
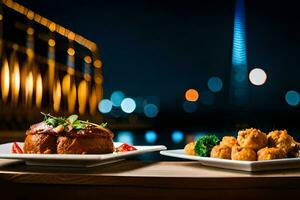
[51, 73]
[29, 89]
[52, 27]
[30, 31]
[72, 98]
[56, 96]
[37, 18]
[30, 15]
[27, 81]
[39, 91]
[98, 63]
[15, 82]
[66, 85]
[98, 80]
[88, 59]
[191, 95]
[5, 80]
[24, 72]
[87, 77]
[83, 93]
[99, 92]
[44, 21]
[29, 53]
[92, 47]
[71, 51]
[71, 70]
[61, 30]
[93, 102]
[51, 42]
[71, 35]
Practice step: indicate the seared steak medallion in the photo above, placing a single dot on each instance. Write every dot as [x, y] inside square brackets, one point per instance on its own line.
[91, 140]
[65, 137]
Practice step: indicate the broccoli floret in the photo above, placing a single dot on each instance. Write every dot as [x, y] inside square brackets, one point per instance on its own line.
[205, 144]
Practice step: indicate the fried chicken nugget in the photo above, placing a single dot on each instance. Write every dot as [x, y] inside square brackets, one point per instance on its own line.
[281, 139]
[221, 151]
[270, 153]
[295, 153]
[252, 138]
[243, 153]
[189, 149]
[229, 141]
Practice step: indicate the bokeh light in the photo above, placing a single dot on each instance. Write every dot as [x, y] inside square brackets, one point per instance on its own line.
[189, 106]
[150, 136]
[191, 95]
[177, 136]
[257, 76]
[292, 98]
[128, 105]
[117, 97]
[105, 106]
[125, 137]
[151, 110]
[215, 84]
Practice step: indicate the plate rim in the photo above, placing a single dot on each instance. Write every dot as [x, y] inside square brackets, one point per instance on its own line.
[227, 161]
[83, 157]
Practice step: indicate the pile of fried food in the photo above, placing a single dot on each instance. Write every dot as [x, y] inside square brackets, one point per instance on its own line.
[250, 145]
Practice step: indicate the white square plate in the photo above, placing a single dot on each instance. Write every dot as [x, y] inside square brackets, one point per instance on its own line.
[250, 166]
[73, 160]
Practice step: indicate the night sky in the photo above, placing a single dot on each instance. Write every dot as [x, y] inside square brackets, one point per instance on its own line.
[162, 48]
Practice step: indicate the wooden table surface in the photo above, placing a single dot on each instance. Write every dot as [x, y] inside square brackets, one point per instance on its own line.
[147, 180]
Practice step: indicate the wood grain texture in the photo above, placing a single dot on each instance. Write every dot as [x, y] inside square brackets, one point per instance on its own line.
[147, 180]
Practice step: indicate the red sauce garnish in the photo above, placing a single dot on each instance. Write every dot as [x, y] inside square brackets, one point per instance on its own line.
[125, 147]
[16, 148]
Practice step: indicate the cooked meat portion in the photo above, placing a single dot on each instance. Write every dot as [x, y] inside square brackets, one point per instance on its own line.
[281, 139]
[243, 153]
[229, 141]
[252, 138]
[270, 153]
[44, 139]
[40, 139]
[41, 128]
[89, 131]
[91, 140]
[40, 144]
[84, 145]
[221, 151]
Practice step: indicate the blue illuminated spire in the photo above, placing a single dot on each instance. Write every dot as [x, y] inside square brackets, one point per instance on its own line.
[239, 70]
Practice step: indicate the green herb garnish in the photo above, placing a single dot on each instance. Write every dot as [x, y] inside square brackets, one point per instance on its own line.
[205, 144]
[71, 122]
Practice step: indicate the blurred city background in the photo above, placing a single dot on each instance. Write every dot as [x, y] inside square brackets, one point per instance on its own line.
[159, 72]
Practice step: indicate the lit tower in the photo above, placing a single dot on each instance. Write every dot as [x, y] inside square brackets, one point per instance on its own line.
[239, 81]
